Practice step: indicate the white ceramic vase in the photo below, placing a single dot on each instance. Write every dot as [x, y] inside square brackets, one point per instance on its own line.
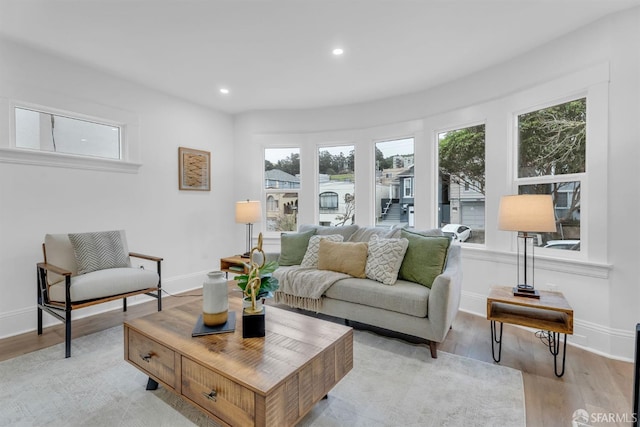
[215, 299]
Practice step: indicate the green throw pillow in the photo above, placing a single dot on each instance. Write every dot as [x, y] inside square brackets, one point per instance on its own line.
[425, 258]
[293, 247]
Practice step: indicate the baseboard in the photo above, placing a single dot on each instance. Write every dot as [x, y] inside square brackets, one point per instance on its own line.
[24, 320]
[604, 341]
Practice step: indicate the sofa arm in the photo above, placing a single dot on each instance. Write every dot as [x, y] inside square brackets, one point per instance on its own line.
[444, 298]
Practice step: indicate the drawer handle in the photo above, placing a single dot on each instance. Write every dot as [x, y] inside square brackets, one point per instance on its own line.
[147, 357]
[210, 396]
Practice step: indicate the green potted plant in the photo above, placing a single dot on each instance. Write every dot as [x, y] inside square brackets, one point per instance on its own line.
[268, 283]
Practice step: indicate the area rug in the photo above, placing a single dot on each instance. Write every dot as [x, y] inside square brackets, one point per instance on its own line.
[393, 383]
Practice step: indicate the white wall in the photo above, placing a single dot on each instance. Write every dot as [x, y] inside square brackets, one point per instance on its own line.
[603, 289]
[190, 229]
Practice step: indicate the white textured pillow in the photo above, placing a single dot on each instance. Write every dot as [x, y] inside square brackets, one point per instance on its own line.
[384, 259]
[311, 256]
[99, 251]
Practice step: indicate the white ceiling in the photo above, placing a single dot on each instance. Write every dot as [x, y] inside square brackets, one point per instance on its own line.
[276, 54]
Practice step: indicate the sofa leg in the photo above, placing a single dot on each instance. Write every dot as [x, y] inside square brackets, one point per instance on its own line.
[124, 304]
[433, 346]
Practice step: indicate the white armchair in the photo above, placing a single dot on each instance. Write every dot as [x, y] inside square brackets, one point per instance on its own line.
[81, 270]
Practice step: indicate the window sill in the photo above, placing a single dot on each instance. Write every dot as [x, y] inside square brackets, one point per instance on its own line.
[563, 265]
[40, 158]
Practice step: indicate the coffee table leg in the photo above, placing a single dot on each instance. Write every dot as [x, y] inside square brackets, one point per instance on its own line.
[496, 339]
[152, 384]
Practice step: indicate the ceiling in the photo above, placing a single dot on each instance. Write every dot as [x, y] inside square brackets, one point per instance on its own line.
[276, 54]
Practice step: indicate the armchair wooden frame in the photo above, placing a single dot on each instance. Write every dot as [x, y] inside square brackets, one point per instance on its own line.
[62, 311]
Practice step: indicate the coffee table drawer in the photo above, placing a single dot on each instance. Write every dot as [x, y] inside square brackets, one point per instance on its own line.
[153, 358]
[224, 398]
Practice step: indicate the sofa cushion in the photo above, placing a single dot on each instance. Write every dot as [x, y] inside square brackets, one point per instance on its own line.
[104, 283]
[344, 257]
[345, 231]
[384, 259]
[425, 258]
[404, 297]
[293, 247]
[311, 256]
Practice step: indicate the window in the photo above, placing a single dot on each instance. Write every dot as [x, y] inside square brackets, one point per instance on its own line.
[394, 187]
[43, 131]
[282, 183]
[336, 185]
[408, 187]
[328, 202]
[551, 160]
[461, 189]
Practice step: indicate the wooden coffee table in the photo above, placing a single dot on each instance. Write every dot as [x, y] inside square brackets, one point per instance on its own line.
[269, 381]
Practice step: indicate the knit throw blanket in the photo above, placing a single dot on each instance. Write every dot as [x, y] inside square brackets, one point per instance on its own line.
[303, 287]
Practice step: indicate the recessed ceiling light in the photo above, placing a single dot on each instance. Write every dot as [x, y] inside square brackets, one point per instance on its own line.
[338, 51]
[224, 91]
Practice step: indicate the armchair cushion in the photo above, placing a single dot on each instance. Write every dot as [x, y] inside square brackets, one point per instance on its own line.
[99, 251]
[105, 283]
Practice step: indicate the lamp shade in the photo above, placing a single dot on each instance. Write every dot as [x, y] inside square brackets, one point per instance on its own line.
[527, 212]
[248, 212]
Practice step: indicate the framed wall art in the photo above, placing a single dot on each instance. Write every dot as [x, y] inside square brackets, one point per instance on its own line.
[194, 169]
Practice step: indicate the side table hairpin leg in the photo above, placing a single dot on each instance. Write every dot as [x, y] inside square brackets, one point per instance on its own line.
[554, 348]
[496, 339]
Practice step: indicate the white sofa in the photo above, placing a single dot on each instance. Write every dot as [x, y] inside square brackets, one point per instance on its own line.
[406, 307]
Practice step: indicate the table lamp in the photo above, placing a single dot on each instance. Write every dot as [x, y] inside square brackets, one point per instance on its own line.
[526, 213]
[248, 212]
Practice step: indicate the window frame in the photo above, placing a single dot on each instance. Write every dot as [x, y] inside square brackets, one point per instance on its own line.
[581, 177]
[126, 121]
[455, 125]
[279, 190]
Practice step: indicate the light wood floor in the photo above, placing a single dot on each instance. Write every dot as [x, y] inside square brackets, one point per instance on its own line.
[590, 382]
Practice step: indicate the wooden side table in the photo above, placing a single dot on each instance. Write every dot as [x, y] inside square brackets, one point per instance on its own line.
[551, 313]
[234, 264]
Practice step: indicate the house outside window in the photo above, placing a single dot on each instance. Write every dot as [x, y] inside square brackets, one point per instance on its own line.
[552, 160]
[281, 186]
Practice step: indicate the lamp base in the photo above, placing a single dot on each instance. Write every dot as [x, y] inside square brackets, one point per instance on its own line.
[525, 291]
[245, 255]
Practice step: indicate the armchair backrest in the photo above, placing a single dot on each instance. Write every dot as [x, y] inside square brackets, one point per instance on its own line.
[59, 251]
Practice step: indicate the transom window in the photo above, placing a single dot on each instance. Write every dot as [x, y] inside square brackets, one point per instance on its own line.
[44, 131]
